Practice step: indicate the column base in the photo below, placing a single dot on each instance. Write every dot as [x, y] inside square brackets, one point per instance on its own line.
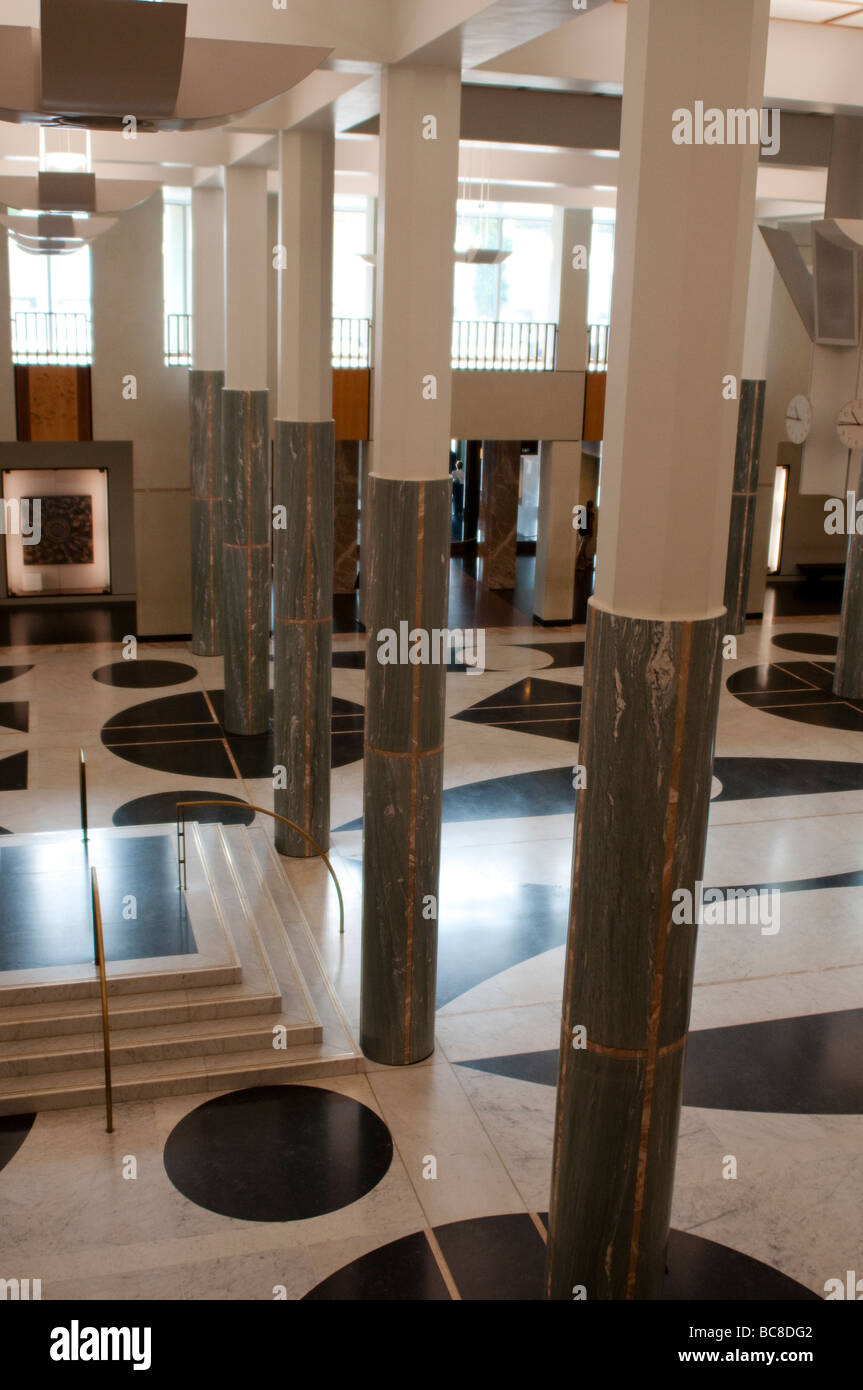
[205, 469]
[246, 540]
[407, 577]
[650, 700]
[303, 594]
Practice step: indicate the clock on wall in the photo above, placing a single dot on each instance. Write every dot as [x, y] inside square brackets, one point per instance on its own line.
[849, 424]
[798, 419]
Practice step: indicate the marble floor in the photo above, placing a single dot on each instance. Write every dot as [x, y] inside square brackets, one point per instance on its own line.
[432, 1182]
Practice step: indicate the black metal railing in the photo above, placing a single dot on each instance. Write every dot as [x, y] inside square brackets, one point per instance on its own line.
[42, 339]
[485, 345]
[178, 340]
[352, 342]
[597, 347]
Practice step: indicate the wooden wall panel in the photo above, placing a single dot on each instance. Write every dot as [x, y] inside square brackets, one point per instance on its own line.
[53, 403]
[351, 387]
[594, 406]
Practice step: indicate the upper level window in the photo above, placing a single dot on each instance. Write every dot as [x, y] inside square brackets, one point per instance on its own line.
[51, 305]
[177, 275]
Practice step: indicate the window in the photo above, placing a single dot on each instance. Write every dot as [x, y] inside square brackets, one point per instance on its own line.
[177, 275]
[517, 290]
[51, 305]
[777, 518]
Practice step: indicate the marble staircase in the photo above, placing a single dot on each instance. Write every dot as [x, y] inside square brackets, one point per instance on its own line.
[186, 1030]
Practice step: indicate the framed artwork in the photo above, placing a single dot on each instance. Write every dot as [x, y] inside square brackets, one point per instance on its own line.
[66, 532]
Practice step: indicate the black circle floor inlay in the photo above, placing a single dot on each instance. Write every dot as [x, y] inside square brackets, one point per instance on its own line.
[161, 807]
[278, 1153]
[812, 643]
[144, 675]
[503, 1258]
[13, 1131]
[799, 690]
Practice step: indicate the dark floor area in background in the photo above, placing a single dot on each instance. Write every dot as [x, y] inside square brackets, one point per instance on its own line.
[25, 625]
[470, 605]
[804, 598]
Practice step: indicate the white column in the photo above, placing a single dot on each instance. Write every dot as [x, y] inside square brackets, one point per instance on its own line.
[418, 184]
[305, 378]
[208, 279]
[248, 262]
[560, 460]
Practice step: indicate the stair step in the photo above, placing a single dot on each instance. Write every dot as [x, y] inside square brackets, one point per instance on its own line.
[59, 1091]
[199, 1039]
[56, 992]
[136, 1011]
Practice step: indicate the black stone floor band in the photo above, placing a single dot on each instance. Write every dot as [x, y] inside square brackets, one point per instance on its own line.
[848, 677]
[741, 528]
[408, 569]
[303, 593]
[246, 550]
[648, 721]
[205, 461]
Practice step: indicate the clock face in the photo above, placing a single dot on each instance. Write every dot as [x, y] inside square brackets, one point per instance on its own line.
[849, 425]
[798, 419]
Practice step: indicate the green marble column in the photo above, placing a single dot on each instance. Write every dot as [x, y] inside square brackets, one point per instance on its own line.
[246, 542]
[501, 473]
[406, 552]
[750, 419]
[303, 592]
[651, 691]
[346, 515]
[205, 467]
[848, 677]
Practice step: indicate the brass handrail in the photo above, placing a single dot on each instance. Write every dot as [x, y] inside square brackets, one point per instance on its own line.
[99, 946]
[82, 791]
[247, 806]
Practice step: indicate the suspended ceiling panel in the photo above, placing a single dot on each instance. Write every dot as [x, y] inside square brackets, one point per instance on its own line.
[111, 57]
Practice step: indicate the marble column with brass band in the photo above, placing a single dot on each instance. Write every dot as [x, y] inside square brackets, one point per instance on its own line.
[205, 466]
[246, 551]
[501, 471]
[346, 515]
[848, 676]
[652, 666]
[403, 782]
[303, 592]
[750, 420]
[619, 1082]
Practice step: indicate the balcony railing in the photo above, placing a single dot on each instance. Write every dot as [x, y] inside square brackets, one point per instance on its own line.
[178, 340]
[509, 347]
[40, 339]
[352, 343]
[597, 347]
[479, 345]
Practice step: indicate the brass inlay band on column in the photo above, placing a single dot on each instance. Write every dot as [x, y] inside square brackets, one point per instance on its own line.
[631, 1054]
[654, 1018]
[305, 622]
[390, 753]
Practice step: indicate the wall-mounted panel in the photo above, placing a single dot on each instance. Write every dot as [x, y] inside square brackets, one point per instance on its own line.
[517, 405]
